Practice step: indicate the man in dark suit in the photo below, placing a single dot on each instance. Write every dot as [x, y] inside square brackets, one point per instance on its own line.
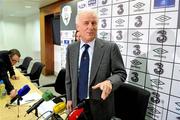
[106, 69]
[7, 60]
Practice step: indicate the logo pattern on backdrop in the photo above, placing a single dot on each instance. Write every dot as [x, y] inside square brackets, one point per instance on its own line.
[148, 29]
[147, 35]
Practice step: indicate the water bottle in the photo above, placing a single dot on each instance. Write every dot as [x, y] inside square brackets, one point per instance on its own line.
[2, 89]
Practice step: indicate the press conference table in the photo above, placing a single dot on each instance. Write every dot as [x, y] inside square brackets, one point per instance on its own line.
[12, 112]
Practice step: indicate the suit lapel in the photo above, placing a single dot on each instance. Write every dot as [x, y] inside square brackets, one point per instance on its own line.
[97, 57]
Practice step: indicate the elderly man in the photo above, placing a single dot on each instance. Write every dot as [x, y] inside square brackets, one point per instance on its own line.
[94, 69]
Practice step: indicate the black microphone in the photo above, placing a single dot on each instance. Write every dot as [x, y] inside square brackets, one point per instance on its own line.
[23, 91]
[47, 95]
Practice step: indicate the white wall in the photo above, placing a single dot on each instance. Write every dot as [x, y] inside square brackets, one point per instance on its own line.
[21, 33]
[32, 36]
[12, 32]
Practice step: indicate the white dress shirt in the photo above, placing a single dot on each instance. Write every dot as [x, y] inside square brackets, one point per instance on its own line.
[90, 51]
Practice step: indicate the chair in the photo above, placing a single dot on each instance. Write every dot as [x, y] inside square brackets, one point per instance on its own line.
[59, 84]
[25, 64]
[35, 73]
[131, 102]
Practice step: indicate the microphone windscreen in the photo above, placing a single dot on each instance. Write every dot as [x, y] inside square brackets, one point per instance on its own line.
[24, 90]
[47, 95]
[59, 108]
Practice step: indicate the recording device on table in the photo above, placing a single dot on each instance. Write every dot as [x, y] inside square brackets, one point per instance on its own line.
[58, 108]
[23, 91]
[47, 95]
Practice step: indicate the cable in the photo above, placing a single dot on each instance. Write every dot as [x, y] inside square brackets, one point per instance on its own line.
[43, 114]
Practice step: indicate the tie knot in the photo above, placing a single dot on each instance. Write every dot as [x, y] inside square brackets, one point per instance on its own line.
[86, 46]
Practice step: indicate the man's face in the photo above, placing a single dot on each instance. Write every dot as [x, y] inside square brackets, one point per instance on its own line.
[14, 59]
[87, 27]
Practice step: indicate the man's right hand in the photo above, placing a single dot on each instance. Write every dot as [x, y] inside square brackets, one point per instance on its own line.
[69, 106]
[13, 93]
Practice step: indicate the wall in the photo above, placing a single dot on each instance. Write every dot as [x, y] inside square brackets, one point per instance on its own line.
[47, 47]
[12, 29]
[32, 35]
[21, 33]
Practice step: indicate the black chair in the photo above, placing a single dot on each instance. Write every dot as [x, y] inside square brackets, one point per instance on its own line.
[35, 72]
[131, 102]
[25, 64]
[59, 84]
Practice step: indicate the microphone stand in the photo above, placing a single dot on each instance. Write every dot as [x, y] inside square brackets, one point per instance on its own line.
[36, 112]
[18, 103]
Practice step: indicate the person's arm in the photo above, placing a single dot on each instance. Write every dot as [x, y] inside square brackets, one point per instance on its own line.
[118, 74]
[68, 79]
[4, 76]
[11, 71]
[118, 71]
[68, 84]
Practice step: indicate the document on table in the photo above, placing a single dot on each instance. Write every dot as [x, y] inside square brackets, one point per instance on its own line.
[44, 108]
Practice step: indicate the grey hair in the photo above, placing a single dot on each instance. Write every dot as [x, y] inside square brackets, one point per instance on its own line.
[86, 11]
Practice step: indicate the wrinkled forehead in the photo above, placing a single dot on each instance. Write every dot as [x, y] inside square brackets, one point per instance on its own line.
[86, 15]
[88, 18]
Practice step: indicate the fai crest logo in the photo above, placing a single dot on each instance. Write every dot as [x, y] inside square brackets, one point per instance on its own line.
[66, 14]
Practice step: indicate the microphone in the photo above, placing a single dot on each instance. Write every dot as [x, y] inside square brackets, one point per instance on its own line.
[23, 91]
[47, 95]
[58, 108]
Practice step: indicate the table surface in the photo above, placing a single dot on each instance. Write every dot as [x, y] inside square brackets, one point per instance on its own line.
[17, 112]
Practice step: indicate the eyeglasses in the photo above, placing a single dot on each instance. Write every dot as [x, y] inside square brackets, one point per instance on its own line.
[13, 60]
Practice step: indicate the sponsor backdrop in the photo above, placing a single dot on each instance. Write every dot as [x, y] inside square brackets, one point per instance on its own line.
[147, 33]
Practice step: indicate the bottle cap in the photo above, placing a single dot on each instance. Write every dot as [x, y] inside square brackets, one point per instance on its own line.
[1, 82]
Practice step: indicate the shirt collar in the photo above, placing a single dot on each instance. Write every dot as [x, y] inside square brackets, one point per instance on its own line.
[91, 44]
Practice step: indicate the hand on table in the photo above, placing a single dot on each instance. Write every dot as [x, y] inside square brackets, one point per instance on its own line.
[14, 77]
[13, 93]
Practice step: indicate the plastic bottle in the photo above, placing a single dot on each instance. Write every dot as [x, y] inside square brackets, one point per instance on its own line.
[2, 89]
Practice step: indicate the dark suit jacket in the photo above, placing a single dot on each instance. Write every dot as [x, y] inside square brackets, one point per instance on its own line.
[107, 63]
[5, 66]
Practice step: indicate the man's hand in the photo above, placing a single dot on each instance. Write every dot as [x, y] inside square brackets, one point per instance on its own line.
[13, 93]
[69, 106]
[14, 77]
[106, 88]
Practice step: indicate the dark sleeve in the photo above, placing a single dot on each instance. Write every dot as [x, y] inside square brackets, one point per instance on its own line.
[11, 70]
[5, 78]
[68, 79]
[119, 74]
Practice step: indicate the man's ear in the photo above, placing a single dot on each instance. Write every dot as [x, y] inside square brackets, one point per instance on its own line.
[77, 27]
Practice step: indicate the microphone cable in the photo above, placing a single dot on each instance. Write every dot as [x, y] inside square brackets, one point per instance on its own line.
[43, 114]
[50, 112]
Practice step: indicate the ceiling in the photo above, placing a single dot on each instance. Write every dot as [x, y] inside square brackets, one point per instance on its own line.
[17, 8]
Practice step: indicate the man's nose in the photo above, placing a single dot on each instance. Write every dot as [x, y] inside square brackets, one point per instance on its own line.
[90, 25]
